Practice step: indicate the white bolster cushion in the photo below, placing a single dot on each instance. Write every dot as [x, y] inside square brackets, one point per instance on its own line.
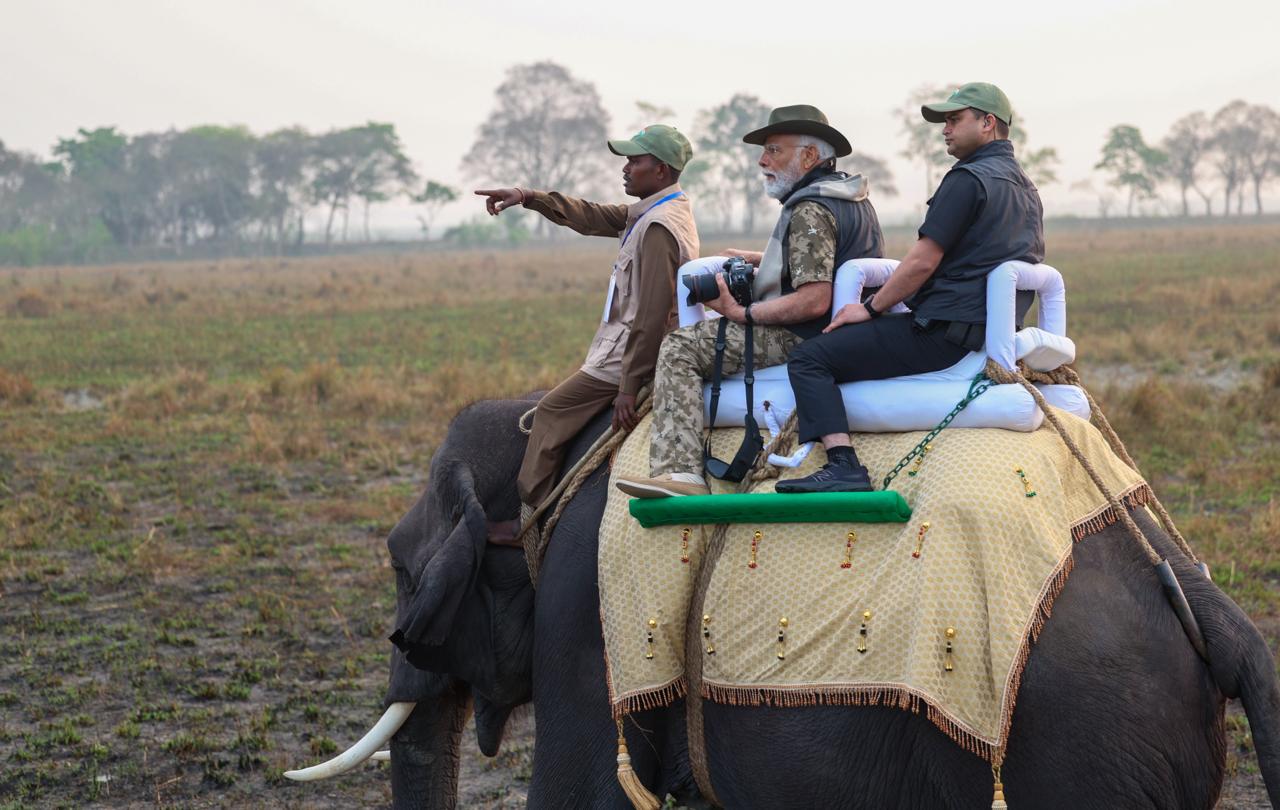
[1066, 397]
[889, 406]
[855, 275]
[920, 401]
[1043, 351]
[1003, 284]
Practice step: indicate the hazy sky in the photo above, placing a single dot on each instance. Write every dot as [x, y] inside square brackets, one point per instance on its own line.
[1071, 69]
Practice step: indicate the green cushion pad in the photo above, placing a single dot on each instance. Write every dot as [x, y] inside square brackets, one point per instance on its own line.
[886, 506]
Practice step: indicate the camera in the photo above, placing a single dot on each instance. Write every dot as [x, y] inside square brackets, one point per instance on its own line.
[737, 277]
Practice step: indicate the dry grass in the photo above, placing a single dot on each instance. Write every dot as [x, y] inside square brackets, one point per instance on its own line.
[199, 463]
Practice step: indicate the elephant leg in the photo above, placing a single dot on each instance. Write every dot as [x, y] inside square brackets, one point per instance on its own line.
[425, 751]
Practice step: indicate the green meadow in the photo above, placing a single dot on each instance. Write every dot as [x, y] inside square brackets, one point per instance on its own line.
[200, 461]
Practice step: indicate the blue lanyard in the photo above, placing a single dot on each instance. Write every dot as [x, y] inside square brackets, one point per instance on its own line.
[667, 198]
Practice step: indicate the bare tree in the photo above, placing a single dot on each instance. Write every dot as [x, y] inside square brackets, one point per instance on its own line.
[547, 130]
[1187, 145]
[924, 140]
[648, 113]
[730, 161]
[1262, 158]
[433, 197]
[282, 172]
[702, 180]
[874, 169]
[1231, 142]
[1041, 165]
[1132, 164]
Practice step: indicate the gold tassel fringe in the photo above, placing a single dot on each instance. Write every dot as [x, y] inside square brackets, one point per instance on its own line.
[637, 793]
[658, 698]
[1137, 495]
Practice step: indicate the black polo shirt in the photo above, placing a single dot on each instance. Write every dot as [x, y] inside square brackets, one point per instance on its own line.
[986, 212]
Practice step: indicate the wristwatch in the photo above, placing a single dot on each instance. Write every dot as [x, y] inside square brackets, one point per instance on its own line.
[746, 315]
[872, 311]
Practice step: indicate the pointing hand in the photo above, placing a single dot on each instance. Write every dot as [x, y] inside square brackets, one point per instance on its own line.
[499, 199]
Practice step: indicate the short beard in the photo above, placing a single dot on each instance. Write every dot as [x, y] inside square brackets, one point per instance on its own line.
[783, 181]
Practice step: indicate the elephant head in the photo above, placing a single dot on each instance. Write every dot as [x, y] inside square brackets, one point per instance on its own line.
[464, 612]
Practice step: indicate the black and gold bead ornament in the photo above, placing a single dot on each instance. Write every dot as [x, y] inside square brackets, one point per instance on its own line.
[684, 545]
[782, 638]
[710, 648]
[862, 631]
[948, 663]
[648, 638]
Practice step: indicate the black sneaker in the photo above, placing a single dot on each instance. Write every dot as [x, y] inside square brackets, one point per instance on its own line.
[831, 478]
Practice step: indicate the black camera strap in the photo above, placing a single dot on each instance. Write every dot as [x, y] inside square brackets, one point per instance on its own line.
[752, 444]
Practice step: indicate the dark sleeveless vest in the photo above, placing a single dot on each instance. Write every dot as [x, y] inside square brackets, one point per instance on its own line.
[1008, 226]
[858, 236]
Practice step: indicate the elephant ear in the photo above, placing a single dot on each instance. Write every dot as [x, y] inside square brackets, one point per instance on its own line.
[448, 573]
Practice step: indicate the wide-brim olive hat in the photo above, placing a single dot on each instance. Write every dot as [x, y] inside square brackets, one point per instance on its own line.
[978, 95]
[663, 142]
[800, 119]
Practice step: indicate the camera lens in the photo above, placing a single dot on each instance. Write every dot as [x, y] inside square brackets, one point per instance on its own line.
[702, 288]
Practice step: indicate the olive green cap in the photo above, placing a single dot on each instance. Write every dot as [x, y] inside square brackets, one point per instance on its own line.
[979, 95]
[800, 119]
[663, 142]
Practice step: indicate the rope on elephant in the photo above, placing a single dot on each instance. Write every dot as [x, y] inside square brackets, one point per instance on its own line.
[782, 445]
[1104, 425]
[1064, 375]
[534, 541]
[762, 470]
[524, 422]
[1004, 376]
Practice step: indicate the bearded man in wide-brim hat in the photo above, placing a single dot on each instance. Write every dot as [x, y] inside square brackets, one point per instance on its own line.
[826, 219]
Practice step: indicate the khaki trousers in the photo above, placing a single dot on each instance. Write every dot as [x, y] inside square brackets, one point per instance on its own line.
[560, 416]
[686, 360]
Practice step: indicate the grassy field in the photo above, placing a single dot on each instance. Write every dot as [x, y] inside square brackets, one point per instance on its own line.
[199, 464]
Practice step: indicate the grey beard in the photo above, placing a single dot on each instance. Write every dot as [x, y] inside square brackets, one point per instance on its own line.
[784, 180]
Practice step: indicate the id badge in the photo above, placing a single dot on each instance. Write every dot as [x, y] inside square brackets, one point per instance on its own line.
[608, 301]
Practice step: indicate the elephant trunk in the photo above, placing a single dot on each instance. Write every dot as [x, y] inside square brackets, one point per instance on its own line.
[425, 752]
[1260, 694]
[1242, 666]
[1261, 698]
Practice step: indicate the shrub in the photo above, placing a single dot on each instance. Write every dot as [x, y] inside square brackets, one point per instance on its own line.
[32, 304]
[16, 388]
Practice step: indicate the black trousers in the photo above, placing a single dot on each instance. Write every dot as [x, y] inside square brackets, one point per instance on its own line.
[889, 346]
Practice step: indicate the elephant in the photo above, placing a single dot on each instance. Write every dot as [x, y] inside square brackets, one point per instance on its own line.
[1115, 709]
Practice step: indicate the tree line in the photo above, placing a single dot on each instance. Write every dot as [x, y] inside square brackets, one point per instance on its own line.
[208, 185]
[1232, 153]
[108, 193]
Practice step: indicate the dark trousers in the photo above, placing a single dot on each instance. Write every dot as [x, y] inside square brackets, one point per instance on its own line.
[890, 346]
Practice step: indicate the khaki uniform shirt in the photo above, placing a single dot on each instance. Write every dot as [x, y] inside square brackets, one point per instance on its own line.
[642, 293]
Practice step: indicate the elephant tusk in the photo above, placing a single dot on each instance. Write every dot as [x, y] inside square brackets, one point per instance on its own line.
[392, 719]
[381, 756]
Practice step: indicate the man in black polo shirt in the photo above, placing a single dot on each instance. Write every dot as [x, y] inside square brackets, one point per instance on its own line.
[985, 212]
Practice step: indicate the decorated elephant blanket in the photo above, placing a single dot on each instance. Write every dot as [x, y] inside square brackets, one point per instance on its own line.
[936, 614]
